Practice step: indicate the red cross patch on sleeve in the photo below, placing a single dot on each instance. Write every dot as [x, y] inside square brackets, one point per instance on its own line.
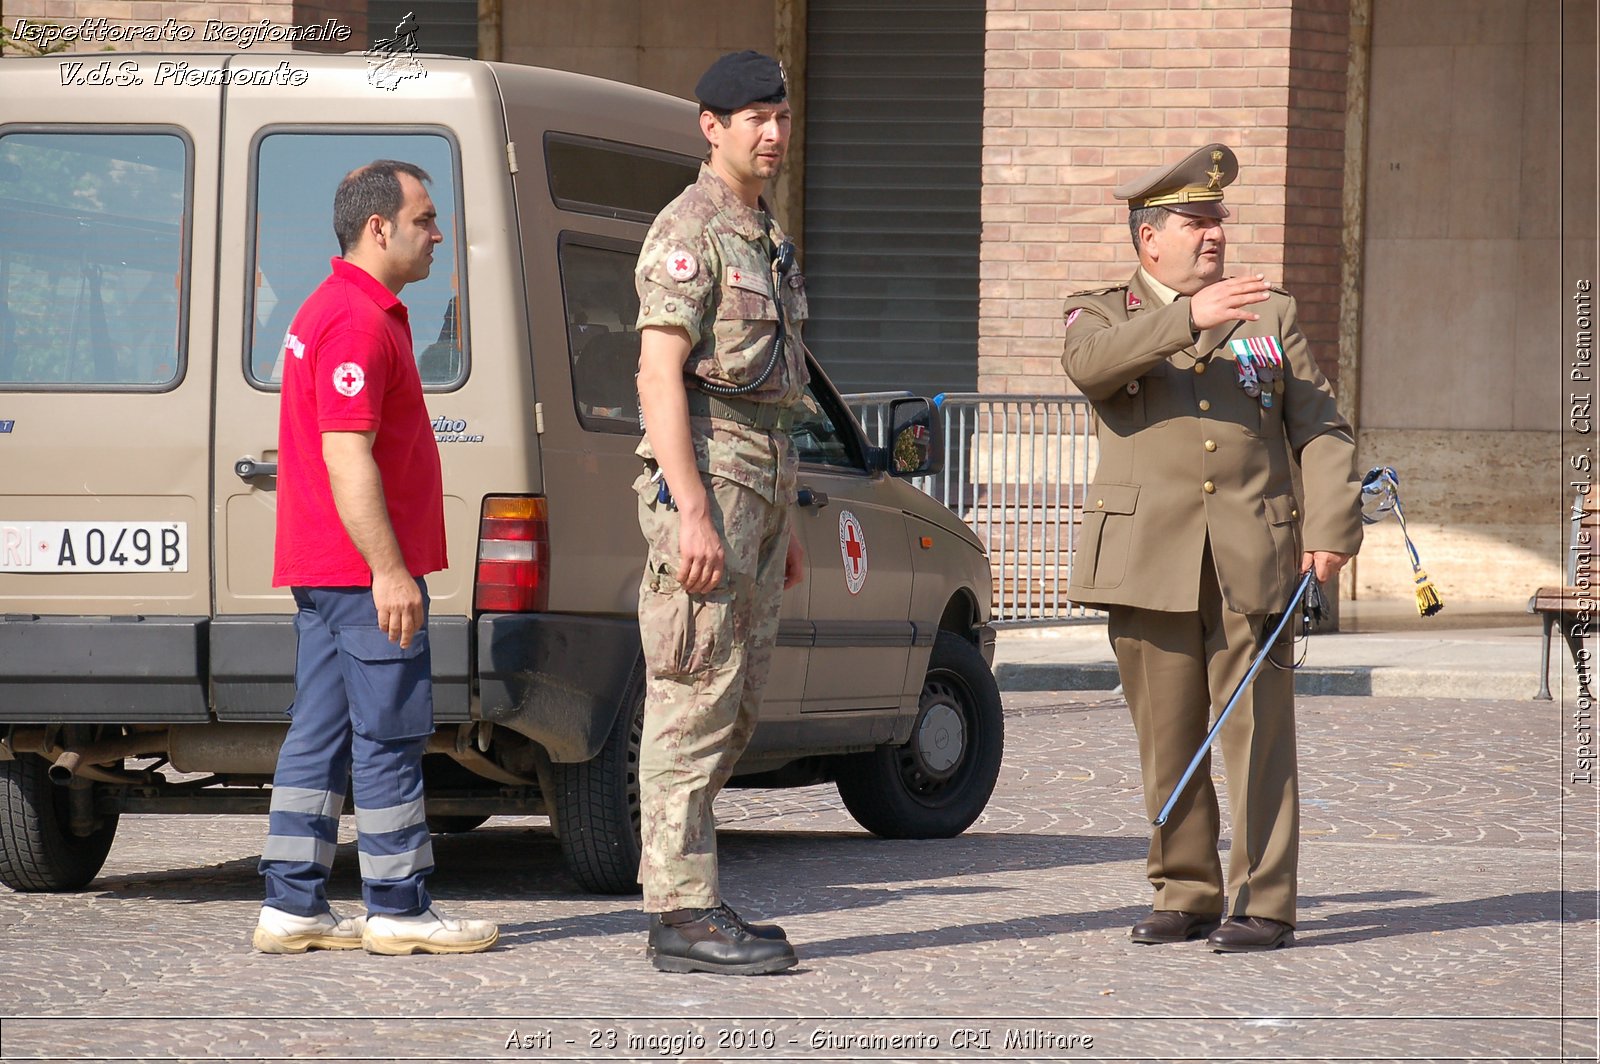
[681, 266]
[349, 379]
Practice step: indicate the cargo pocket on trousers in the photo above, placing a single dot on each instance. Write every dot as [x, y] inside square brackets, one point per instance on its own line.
[390, 688]
[682, 633]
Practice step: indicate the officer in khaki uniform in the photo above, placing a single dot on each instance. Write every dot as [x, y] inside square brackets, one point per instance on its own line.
[1206, 395]
[721, 365]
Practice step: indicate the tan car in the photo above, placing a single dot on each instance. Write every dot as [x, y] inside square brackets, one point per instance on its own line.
[156, 236]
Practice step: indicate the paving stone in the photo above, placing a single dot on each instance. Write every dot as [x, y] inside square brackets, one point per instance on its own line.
[1448, 911]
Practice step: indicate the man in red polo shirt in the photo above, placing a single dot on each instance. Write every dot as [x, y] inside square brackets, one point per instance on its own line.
[360, 523]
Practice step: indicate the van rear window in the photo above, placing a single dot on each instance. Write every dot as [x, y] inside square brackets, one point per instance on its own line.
[602, 306]
[614, 180]
[292, 244]
[93, 285]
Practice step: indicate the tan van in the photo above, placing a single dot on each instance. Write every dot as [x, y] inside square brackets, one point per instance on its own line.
[160, 225]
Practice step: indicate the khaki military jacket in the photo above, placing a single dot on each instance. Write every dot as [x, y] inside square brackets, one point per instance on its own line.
[706, 267]
[1186, 455]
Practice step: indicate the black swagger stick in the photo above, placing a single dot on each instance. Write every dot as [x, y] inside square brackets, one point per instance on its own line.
[1255, 667]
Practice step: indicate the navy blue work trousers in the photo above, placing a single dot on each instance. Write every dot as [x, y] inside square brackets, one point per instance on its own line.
[361, 718]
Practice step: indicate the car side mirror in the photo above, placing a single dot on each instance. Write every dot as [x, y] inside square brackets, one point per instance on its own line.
[915, 437]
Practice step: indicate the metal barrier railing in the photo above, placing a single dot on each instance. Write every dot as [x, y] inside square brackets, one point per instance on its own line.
[1015, 470]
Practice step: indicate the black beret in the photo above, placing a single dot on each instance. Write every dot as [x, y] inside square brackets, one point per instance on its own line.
[740, 79]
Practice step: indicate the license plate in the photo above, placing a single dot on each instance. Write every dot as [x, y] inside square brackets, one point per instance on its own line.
[94, 547]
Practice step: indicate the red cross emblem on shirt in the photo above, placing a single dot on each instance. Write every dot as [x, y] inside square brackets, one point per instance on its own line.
[349, 379]
[737, 276]
[680, 263]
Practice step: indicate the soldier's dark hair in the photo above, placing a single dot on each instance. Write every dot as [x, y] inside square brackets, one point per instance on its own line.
[371, 189]
[1155, 217]
[724, 117]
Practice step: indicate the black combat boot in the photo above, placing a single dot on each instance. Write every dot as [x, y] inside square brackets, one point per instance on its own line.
[770, 932]
[713, 940]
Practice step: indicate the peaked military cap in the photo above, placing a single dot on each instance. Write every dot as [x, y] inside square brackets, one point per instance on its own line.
[1193, 185]
[740, 79]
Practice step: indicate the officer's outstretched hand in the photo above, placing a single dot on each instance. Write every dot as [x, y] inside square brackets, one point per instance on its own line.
[794, 563]
[700, 555]
[1326, 563]
[1227, 300]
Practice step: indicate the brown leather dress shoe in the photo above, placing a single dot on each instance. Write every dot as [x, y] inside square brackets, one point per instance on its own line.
[1170, 925]
[1250, 934]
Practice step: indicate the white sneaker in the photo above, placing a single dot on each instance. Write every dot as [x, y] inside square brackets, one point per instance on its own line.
[427, 932]
[281, 932]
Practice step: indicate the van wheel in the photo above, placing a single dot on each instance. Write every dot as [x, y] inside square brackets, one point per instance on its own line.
[935, 784]
[597, 803]
[38, 851]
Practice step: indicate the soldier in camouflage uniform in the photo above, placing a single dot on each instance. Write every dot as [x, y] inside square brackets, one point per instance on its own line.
[721, 364]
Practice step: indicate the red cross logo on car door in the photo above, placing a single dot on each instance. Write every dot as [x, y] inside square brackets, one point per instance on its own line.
[853, 550]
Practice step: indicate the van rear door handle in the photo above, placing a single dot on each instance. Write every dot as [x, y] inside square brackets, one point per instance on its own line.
[811, 499]
[248, 468]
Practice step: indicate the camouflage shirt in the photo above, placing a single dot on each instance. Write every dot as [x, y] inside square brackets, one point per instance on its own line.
[706, 267]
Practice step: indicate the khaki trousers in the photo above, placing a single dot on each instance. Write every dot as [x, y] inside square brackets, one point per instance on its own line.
[706, 661]
[1178, 671]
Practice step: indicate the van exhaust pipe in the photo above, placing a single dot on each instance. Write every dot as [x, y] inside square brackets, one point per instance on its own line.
[64, 768]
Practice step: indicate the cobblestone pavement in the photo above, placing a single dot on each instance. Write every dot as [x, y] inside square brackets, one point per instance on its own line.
[1448, 912]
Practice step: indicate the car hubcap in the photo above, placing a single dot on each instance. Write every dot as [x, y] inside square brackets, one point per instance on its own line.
[941, 737]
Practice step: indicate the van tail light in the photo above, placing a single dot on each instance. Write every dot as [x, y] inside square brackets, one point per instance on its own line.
[513, 555]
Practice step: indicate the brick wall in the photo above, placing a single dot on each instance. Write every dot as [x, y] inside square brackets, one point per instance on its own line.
[1083, 94]
[125, 14]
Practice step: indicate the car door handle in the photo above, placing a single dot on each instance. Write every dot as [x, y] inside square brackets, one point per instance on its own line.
[248, 468]
[811, 499]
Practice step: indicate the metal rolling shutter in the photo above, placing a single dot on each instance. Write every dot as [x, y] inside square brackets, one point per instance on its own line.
[893, 151]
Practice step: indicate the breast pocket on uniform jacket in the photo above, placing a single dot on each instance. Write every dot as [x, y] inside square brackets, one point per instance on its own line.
[1106, 538]
[1123, 411]
[746, 324]
[1249, 412]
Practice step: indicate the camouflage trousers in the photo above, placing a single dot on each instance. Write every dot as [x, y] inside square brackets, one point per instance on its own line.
[706, 661]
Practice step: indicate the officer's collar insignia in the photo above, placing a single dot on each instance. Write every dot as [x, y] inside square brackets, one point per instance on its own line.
[1133, 302]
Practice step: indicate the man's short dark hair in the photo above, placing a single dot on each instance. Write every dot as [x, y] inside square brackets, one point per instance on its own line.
[724, 117]
[1155, 217]
[371, 189]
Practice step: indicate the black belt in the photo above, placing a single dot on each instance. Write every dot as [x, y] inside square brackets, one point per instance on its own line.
[764, 416]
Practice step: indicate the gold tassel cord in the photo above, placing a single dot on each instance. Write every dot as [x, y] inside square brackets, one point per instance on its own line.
[1381, 495]
[1428, 600]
